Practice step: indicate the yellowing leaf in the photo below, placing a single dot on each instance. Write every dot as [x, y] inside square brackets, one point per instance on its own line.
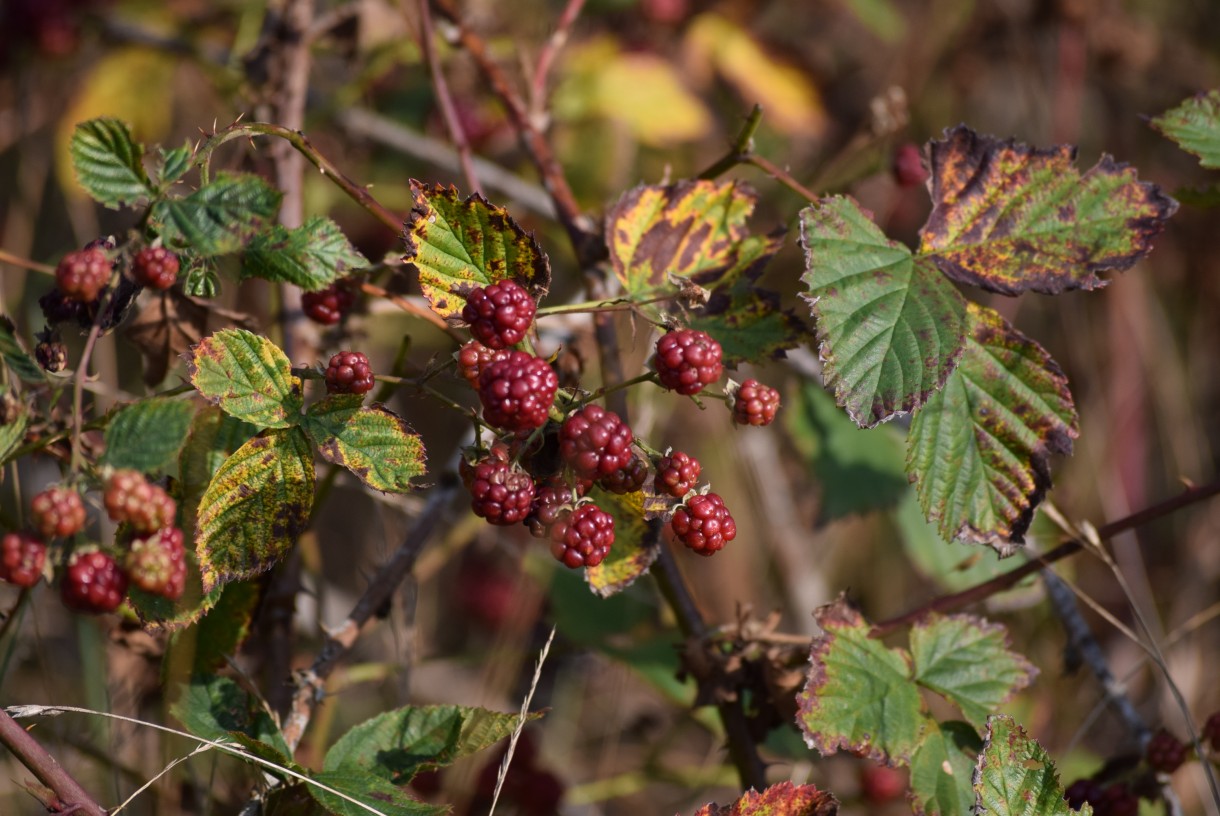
[634, 547]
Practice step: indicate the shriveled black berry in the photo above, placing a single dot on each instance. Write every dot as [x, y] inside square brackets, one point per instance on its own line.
[1164, 752]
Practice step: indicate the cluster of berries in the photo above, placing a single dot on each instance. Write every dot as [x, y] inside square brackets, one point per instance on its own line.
[153, 556]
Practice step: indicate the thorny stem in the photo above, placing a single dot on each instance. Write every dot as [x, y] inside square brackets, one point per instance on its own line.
[427, 40]
[741, 150]
[72, 797]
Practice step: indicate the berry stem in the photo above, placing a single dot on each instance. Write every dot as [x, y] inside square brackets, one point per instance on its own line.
[72, 797]
[605, 305]
[430, 391]
[741, 150]
[82, 373]
[24, 263]
[650, 376]
[409, 307]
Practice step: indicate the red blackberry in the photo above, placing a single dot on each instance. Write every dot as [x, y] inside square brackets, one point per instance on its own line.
[499, 314]
[500, 491]
[155, 267]
[82, 274]
[473, 356]
[349, 373]
[131, 498]
[907, 166]
[517, 392]
[755, 403]
[549, 505]
[595, 442]
[1117, 800]
[1082, 792]
[677, 474]
[52, 355]
[21, 558]
[1164, 752]
[157, 563]
[328, 306]
[687, 361]
[704, 524]
[58, 512]
[626, 479]
[584, 537]
[93, 583]
[1211, 731]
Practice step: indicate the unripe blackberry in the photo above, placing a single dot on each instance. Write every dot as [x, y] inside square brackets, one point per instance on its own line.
[500, 491]
[81, 275]
[1211, 731]
[157, 563]
[131, 498]
[328, 306]
[627, 479]
[755, 404]
[687, 361]
[551, 503]
[155, 267]
[907, 167]
[58, 512]
[349, 373]
[51, 355]
[517, 392]
[1164, 752]
[677, 474]
[499, 314]
[93, 583]
[472, 358]
[704, 524]
[22, 556]
[595, 442]
[583, 538]
[1082, 792]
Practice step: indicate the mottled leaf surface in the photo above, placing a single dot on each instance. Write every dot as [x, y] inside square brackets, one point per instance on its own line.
[255, 507]
[220, 217]
[108, 163]
[979, 450]
[312, 256]
[214, 436]
[1013, 218]
[248, 376]
[1195, 126]
[783, 799]
[942, 770]
[1015, 776]
[889, 326]
[147, 435]
[635, 547]
[373, 443]
[458, 245]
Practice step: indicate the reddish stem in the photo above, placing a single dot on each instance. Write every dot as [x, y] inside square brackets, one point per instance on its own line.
[31, 754]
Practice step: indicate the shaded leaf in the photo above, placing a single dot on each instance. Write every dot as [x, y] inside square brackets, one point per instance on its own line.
[1012, 218]
[213, 438]
[12, 433]
[1014, 775]
[224, 627]
[174, 164]
[954, 565]
[1194, 126]
[16, 357]
[216, 707]
[458, 245]
[979, 450]
[890, 327]
[942, 770]
[248, 376]
[201, 279]
[255, 507]
[370, 790]
[782, 799]
[373, 443]
[108, 162]
[311, 256]
[218, 218]
[147, 435]
[880, 17]
[636, 543]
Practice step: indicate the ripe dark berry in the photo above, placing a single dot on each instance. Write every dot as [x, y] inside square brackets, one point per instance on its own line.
[155, 267]
[755, 404]
[549, 505]
[677, 474]
[81, 275]
[517, 392]
[1117, 800]
[704, 524]
[58, 512]
[1083, 791]
[500, 491]
[499, 314]
[51, 355]
[907, 167]
[687, 361]
[327, 306]
[93, 583]
[595, 442]
[1164, 752]
[131, 498]
[157, 563]
[473, 356]
[59, 308]
[349, 373]
[626, 479]
[1211, 731]
[584, 537]
[21, 558]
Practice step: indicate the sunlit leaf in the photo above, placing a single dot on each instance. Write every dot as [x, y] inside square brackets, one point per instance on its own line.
[647, 94]
[1016, 777]
[312, 256]
[635, 544]
[147, 435]
[1195, 126]
[248, 376]
[219, 218]
[373, 443]
[109, 164]
[782, 799]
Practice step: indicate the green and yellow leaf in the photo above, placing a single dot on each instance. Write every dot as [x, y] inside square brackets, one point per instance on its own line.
[248, 376]
[1195, 126]
[1014, 775]
[635, 546]
[373, 443]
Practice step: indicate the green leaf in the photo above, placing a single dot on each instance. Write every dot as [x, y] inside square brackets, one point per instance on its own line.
[859, 696]
[590, 621]
[689, 229]
[16, 357]
[12, 434]
[312, 256]
[147, 435]
[1011, 218]
[220, 217]
[222, 630]
[967, 660]
[636, 544]
[373, 443]
[255, 507]
[856, 470]
[979, 450]
[201, 279]
[890, 327]
[174, 164]
[369, 790]
[942, 768]
[954, 565]
[248, 376]
[213, 438]
[1014, 775]
[1194, 126]
[216, 708]
[395, 745]
[782, 799]
[109, 164]
[460, 245]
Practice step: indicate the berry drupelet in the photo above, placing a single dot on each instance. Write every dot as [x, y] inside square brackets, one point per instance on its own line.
[157, 563]
[58, 512]
[687, 361]
[155, 267]
[755, 404]
[473, 357]
[677, 474]
[131, 498]
[348, 373]
[22, 556]
[517, 392]
[499, 314]
[704, 524]
[327, 306]
[626, 479]
[500, 491]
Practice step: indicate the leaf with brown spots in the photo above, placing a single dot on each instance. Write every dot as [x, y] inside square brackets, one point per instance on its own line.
[782, 799]
[635, 547]
[979, 449]
[373, 443]
[1013, 218]
[248, 376]
[457, 245]
[1015, 775]
[255, 507]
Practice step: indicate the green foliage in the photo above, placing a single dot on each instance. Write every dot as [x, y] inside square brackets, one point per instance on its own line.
[635, 546]
[218, 218]
[109, 164]
[17, 358]
[248, 376]
[174, 164]
[216, 708]
[370, 792]
[1194, 126]
[222, 628]
[12, 432]
[312, 256]
[783, 799]
[942, 767]
[147, 435]
[373, 443]
[1016, 776]
[954, 565]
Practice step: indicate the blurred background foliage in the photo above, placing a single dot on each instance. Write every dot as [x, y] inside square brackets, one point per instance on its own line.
[644, 91]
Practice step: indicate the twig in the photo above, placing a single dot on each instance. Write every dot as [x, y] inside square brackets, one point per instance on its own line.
[781, 175]
[742, 149]
[408, 307]
[49, 772]
[82, 371]
[427, 41]
[24, 263]
[546, 58]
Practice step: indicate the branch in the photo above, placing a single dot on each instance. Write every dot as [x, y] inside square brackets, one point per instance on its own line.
[427, 39]
[546, 57]
[31, 754]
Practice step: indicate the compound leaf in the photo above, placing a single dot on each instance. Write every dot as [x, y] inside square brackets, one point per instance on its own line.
[978, 451]
[373, 443]
[312, 256]
[942, 768]
[458, 245]
[248, 376]
[782, 799]
[109, 164]
[890, 327]
[1014, 775]
[1195, 126]
[1012, 218]
[635, 547]
[147, 435]
[220, 217]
